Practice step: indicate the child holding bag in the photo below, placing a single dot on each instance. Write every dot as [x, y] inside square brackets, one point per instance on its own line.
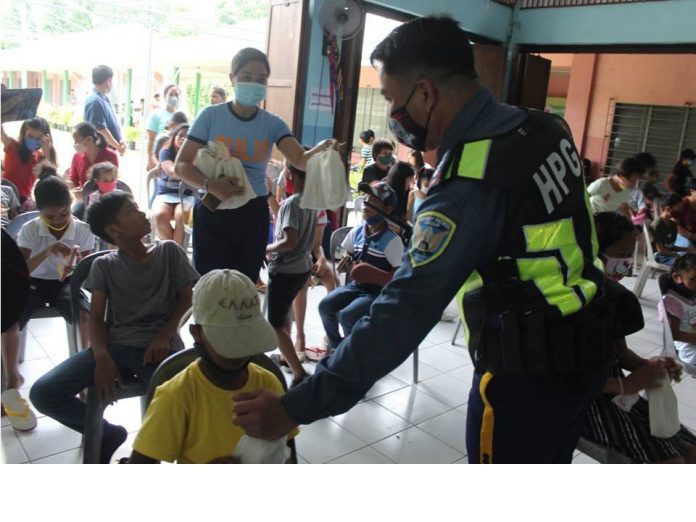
[619, 418]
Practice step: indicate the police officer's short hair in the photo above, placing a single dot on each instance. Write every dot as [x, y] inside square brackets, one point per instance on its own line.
[101, 73]
[433, 43]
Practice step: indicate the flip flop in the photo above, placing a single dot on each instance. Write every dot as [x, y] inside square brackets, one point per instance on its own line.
[316, 353]
[18, 411]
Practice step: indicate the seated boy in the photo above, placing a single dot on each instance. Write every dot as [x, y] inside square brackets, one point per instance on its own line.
[190, 417]
[289, 268]
[377, 252]
[148, 289]
[664, 230]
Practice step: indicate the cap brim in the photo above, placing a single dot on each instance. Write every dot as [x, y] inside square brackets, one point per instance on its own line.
[241, 341]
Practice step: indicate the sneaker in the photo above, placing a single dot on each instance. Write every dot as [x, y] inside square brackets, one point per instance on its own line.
[18, 411]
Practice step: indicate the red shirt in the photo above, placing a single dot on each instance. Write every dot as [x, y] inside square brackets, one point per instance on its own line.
[18, 172]
[81, 164]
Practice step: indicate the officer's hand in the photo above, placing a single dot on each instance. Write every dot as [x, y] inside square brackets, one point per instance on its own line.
[674, 369]
[261, 414]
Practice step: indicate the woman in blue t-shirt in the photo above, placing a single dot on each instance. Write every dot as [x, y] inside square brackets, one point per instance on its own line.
[236, 238]
[167, 205]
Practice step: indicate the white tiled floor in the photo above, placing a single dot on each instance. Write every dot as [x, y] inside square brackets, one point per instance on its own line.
[397, 421]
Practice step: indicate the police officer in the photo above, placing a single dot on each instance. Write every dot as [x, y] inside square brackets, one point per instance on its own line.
[506, 228]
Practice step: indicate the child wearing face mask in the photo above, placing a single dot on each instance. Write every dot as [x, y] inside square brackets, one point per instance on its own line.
[52, 244]
[612, 194]
[680, 305]
[23, 154]
[105, 175]
[619, 417]
[190, 418]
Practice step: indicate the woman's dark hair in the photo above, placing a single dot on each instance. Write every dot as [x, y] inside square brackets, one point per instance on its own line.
[167, 87]
[170, 145]
[87, 130]
[222, 93]
[418, 157]
[611, 228]
[367, 135]
[104, 166]
[647, 159]
[246, 55]
[684, 263]
[630, 166]
[179, 118]
[432, 44]
[397, 178]
[424, 174]
[51, 190]
[38, 124]
[103, 212]
[378, 146]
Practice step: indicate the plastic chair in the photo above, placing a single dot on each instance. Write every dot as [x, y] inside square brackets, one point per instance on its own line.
[77, 279]
[188, 231]
[602, 454]
[8, 183]
[18, 222]
[175, 363]
[355, 206]
[13, 229]
[650, 266]
[336, 239]
[151, 184]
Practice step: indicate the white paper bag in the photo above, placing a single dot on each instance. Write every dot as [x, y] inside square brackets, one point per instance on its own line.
[215, 162]
[250, 450]
[326, 184]
[663, 410]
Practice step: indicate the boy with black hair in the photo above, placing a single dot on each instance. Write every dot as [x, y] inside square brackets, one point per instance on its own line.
[664, 230]
[367, 138]
[289, 268]
[383, 159]
[612, 194]
[148, 289]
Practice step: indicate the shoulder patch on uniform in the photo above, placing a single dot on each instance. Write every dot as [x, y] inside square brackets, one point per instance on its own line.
[432, 234]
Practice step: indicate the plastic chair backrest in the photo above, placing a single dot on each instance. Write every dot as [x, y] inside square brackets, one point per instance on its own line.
[336, 239]
[18, 222]
[152, 176]
[183, 188]
[77, 279]
[167, 369]
[8, 183]
[649, 252]
[358, 203]
[123, 186]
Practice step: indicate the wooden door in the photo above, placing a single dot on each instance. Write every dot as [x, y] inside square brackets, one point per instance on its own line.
[531, 81]
[286, 35]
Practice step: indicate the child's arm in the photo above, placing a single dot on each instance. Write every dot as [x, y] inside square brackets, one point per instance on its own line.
[677, 334]
[683, 231]
[321, 264]
[286, 244]
[662, 249]
[106, 374]
[159, 347]
[55, 249]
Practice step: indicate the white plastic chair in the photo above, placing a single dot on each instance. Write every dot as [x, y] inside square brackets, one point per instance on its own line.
[650, 266]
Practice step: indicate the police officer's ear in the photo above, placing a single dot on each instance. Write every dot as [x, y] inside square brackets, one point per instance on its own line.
[426, 92]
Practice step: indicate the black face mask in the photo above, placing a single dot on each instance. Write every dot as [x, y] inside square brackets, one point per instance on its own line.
[222, 376]
[407, 131]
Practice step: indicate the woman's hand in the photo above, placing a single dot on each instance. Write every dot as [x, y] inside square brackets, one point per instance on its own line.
[674, 369]
[106, 378]
[46, 145]
[225, 188]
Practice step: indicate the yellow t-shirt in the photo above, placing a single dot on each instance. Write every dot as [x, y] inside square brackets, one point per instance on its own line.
[190, 419]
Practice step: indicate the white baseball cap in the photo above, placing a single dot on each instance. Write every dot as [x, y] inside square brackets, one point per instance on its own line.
[226, 306]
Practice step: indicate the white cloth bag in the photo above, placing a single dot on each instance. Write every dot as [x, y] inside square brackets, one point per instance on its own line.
[663, 410]
[215, 162]
[250, 450]
[326, 184]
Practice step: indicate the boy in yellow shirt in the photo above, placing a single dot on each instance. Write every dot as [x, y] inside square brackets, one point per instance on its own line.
[190, 417]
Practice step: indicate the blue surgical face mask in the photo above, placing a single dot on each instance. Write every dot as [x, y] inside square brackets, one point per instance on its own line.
[249, 94]
[173, 102]
[374, 220]
[32, 143]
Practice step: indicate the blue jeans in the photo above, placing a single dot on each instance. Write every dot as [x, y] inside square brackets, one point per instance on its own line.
[54, 394]
[348, 304]
[665, 260]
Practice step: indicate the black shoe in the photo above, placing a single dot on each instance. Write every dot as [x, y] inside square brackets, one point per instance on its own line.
[113, 436]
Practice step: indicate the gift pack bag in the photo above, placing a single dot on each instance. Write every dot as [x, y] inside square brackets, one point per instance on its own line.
[326, 186]
[215, 162]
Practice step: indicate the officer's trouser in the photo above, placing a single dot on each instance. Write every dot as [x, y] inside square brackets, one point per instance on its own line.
[526, 419]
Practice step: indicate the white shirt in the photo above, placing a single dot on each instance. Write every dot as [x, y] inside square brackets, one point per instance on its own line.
[604, 198]
[36, 237]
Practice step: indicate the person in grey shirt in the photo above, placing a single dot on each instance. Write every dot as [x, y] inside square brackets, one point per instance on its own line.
[289, 267]
[143, 290]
